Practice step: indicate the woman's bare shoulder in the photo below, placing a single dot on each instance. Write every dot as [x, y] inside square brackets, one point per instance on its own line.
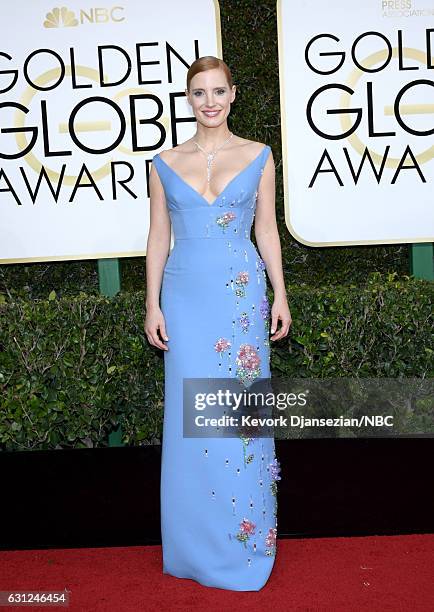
[251, 145]
[169, 155]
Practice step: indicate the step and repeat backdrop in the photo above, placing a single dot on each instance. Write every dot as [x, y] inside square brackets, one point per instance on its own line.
[89, 93]
[357, 108]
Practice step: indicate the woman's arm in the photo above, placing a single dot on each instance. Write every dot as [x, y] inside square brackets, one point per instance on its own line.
[157, 251]
[268, 241]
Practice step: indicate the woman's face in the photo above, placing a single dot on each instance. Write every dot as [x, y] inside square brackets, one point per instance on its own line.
[210, 97]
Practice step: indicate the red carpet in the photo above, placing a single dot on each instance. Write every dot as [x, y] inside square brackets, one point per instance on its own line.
[378, 573]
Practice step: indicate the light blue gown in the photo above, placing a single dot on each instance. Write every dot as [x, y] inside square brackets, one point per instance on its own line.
[218, 495]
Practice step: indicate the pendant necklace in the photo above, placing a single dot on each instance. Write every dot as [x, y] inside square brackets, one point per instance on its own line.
[210, 156]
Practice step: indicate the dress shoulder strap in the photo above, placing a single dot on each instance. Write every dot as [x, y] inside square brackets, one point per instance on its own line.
[264, 156]
[159, 167]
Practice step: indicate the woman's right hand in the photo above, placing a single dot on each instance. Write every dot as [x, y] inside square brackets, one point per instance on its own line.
[154, 321]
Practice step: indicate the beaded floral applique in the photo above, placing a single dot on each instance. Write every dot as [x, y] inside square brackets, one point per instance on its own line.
[248, 458]
[241, 282]
[270, 542]
[260, 265]
[247, 528]
[264, 309]
[248, 362]
[224, 220]
[244, 322]
[221, 346]
[275, 475]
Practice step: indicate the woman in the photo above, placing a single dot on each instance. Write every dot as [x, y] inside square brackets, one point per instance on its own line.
[218, 495]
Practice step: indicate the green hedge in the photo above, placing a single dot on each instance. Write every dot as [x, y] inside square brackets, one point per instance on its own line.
[73, 368]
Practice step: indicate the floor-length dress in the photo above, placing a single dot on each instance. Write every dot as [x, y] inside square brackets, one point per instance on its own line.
[218, 496]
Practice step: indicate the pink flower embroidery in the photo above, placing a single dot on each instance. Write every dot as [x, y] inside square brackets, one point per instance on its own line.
[225, 219]
[247, 526]
[241, 281]
[270, 540]
[242, 278]
[222, 345]
[248, 362]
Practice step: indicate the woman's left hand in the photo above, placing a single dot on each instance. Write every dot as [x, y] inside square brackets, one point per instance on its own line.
[280, 310]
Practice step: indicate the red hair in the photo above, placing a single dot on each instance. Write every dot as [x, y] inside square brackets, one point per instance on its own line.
[208, 62]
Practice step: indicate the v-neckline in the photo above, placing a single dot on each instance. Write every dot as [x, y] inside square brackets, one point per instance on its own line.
[226, 186]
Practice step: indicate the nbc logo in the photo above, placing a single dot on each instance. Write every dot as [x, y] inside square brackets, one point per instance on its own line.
[60, 17]
[63, 17]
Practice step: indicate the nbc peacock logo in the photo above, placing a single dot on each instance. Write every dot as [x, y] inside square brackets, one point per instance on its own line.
[60, 18]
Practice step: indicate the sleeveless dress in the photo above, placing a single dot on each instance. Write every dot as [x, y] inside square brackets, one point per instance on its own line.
[218, 495]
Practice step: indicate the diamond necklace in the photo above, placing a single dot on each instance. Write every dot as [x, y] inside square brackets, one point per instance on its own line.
[210, 156]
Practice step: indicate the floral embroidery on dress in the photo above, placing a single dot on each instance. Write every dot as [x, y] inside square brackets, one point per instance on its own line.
[244, 322]
[275, 475]
[247, 528]
[270, 542]
[248, 458]
[241, 281]
[264, 308]
[248, 362]
[260, 269]
[224, 220]
[222, 345]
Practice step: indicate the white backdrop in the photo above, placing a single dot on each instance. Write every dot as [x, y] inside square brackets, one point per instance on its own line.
[88, 226]
[332, 207]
